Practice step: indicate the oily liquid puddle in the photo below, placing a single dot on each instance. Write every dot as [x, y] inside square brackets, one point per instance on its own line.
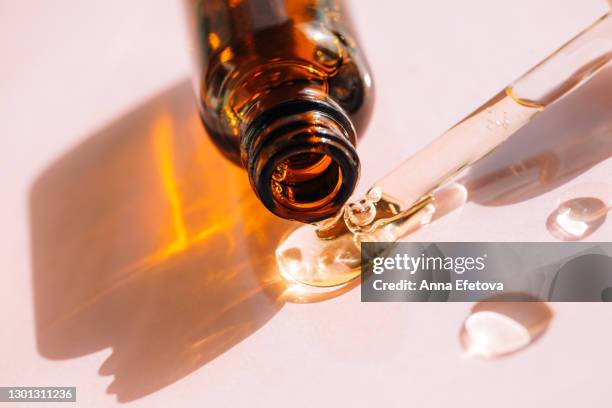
[320, 264]
[503, 325]
[312, 264]
[582, 211]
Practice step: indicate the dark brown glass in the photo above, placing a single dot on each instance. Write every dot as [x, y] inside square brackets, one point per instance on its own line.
[284, 92]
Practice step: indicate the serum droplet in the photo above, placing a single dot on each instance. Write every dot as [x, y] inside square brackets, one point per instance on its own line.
[313, 263]
[577, 218]
[503, 325]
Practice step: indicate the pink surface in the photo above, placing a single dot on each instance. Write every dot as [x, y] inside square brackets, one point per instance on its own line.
[124, 270]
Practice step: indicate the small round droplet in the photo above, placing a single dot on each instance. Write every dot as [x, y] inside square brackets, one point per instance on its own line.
[577, 218]
[504, 324]
[361, 212]
[374, 194]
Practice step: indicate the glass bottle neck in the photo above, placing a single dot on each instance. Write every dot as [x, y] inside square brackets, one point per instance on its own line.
[301, 159]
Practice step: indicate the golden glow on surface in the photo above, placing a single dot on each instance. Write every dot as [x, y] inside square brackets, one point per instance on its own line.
[155, 248]
[163, 147]
[162, 140]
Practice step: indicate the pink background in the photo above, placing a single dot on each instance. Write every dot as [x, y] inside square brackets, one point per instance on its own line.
[123, 270]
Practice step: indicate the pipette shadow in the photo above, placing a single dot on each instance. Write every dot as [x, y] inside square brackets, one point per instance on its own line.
[147, 241]
[561, 143]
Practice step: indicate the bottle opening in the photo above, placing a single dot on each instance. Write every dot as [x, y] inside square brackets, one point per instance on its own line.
[306, 181]
[302, 161]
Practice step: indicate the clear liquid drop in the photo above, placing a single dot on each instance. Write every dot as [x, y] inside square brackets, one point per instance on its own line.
[577, 218]
[361, 212]
[503, 325]
[306, 260]
[374, 194]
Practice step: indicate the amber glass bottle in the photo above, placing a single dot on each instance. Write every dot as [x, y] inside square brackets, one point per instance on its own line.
[283, 91]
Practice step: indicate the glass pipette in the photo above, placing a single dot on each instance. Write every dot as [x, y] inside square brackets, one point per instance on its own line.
[327, 254]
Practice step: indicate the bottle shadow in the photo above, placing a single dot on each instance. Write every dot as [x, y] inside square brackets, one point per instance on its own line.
[146, 240]
[561, 143]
